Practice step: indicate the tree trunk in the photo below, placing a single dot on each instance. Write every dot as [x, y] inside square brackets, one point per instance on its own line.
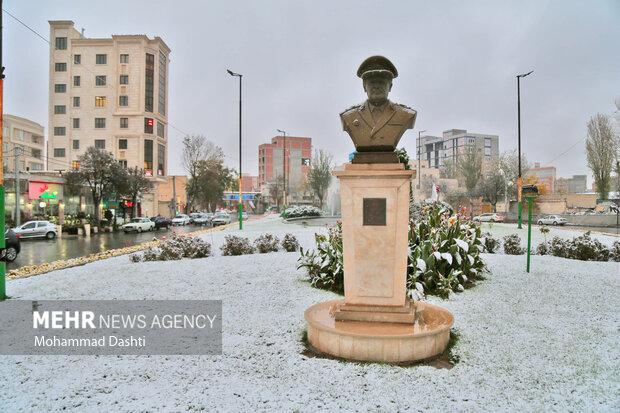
[134, 205]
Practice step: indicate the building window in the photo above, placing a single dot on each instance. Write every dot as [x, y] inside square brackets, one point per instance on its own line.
[76, 81]
[76, 123]
[60, 88]
[100, 101]
[488, 142]
[77, 59]
[100, 80]
[36, 166]
[487, 151]
[101, 59]
[100, 143]
[124, 80]
[76, 165]
[124, 123]
[59, 152]
[76, 144]
[124, 58]
[122, 144]
[123, 163]
[160, 130]
[76, 101]
[161, 156]
[123, 101]
[99, 123]
[60, 109]
[61, 43]
[59, 131]
[149, 79]
[148, 157]
[60, 67]
[21, 134]
[161, 93]
[148, 125]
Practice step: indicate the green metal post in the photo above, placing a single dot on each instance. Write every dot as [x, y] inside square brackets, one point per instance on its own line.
[284, 211]
[529, 230]
[2, 246]
[519, 221]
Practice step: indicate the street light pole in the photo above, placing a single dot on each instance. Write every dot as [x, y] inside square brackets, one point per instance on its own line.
[519, 132]
[240, 208]
[419, 156]
[284, 186]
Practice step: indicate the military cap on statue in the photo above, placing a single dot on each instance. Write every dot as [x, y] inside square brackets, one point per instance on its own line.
[377, 65]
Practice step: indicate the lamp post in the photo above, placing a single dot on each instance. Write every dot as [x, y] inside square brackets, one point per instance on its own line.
[519, 130]
[283, 173]
[531, 192]
[419, 155]
[240, 208]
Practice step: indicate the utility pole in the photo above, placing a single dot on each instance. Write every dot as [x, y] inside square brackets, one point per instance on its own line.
[174, 197]
[283, 173]
[419, 160]
[2, 240]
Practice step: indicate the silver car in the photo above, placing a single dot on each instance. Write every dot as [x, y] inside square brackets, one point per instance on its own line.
[37, 229]
[552, 220]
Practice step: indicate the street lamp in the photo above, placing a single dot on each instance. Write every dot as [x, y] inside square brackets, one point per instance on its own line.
[283, 173]
[519, 129]
[419, 155]
[240, 208]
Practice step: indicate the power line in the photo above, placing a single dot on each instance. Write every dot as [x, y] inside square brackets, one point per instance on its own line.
[571, 147]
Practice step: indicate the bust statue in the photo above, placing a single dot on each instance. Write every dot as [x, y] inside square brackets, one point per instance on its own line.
[377, 125]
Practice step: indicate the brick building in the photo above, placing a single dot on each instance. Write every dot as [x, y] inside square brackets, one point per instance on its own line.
[297, 155]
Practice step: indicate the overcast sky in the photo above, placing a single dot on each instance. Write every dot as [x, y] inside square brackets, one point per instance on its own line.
[457, 62]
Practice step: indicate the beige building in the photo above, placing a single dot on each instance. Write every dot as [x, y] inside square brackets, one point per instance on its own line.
[110, 93]
[22, 137]
[435, 151]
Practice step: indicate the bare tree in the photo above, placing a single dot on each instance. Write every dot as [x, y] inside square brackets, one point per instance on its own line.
[509, 167]
[276, 190]
[135, 185]
[197, 148]
[469, 165]
[600, 152]
[320, 174]
[492, 185]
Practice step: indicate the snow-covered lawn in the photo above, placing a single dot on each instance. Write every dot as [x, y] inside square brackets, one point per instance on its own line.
[544, 341]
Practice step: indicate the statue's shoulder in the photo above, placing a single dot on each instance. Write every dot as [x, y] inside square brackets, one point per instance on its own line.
[405, 108]
[354, 108]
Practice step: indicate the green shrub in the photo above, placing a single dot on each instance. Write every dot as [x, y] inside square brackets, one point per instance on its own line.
[417, 209]
[585, 248]
[491, 244]
[324, 265]
[512, 245]
[234, 245]
[615, 251]
[444, 254]
[302, 211]
[290, 243]
[175, 249]
[544, 248]
[559, 247]
[267, 243]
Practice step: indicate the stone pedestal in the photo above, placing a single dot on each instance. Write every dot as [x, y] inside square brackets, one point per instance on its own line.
[375, 217]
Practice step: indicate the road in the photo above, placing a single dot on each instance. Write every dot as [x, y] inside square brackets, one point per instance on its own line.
[39, 251]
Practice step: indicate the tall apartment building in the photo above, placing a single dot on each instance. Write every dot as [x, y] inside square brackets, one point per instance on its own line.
[578, 184]
[27, 136]
[544, 175]
[297, 155]
[434, 151]
[110, 93]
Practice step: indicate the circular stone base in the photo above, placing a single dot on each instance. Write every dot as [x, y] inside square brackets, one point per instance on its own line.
[382, 342]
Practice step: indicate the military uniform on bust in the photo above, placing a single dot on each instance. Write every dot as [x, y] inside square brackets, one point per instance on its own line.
[377, 125]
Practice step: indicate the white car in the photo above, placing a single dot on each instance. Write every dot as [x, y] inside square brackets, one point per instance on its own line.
[220, 218]
[552, 220]
[180, 219]
[34, 229]
[202, 219]
[139, 225]
[489, 217]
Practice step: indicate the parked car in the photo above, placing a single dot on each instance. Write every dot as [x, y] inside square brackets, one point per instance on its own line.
[244, 216]
[34, 229]
[180, 219]
[12, 244]
[490, 217]
[202, 219]
[161, 222]
[552, 220]
[220, 218]
[139, 225]
[193, 216]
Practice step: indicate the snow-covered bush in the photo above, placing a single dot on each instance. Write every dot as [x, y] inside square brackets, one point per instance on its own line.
[302, 211]
[559, 247]
[266, 243]
[585, 248]
[234, 245]
[290, 243]
[544, 248]
[491, 244]
[324, 265]
[417, 209]
[615, 251]
[512, 245]
[175, 249]
[444, 253]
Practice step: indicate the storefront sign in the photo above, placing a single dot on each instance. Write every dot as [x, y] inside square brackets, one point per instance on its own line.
[44, 190]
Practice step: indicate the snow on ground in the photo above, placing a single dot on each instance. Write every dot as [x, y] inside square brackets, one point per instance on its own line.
[544, 341]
